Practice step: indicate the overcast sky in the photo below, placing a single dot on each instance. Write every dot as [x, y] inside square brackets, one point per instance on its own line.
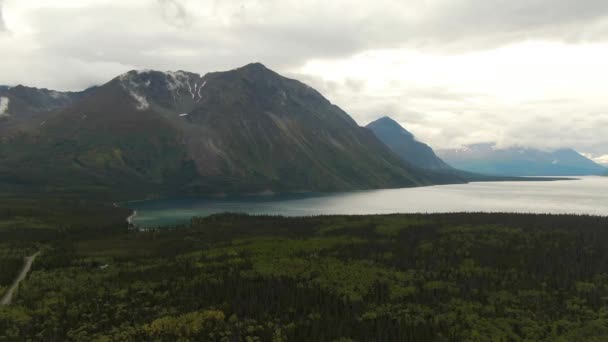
[528, 72]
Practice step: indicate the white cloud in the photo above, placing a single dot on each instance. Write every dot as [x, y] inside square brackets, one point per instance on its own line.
[600, 159]
[547, 95]
[4, 101]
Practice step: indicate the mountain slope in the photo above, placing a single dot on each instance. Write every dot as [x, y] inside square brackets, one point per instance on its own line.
[22, 107]
[422, 156]
[245, 130]
[516, 161]
[403, 143]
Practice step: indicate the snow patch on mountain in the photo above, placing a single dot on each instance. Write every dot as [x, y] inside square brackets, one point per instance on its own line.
[57, 95]
[190, 89]
[177, 80]
[4, 101]
[129, 84]
[142, 102]
[198, 92]
[180, 85]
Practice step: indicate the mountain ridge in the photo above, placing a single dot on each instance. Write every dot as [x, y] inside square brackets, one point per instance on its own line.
[239, 131]
[405, 145]
[420, 155]
[521, 161]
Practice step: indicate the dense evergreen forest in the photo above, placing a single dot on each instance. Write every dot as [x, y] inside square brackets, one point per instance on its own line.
[231, 277]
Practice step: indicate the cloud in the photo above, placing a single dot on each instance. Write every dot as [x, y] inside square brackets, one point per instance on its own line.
[174, 13]
[4, 101]
[538, 94]
[600, 159]
[213, 35]
[2, 26]
[492, 23]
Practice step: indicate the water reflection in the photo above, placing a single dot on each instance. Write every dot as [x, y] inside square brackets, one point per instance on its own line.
[589, 195]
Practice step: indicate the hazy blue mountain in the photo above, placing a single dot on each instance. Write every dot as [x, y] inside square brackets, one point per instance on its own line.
[156, 133]
[405, 145]
[520, 161]
[420, 155]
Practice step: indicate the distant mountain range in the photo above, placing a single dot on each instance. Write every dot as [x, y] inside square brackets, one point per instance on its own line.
[420, 155]
[151, 133]
[405, 145]
[520, 161]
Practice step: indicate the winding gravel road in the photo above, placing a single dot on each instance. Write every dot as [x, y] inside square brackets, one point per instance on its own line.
[8, 297]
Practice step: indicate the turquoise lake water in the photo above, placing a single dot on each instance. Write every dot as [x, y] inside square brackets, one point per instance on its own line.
[588, 195]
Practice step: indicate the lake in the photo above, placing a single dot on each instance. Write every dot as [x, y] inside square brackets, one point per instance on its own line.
[588, 195]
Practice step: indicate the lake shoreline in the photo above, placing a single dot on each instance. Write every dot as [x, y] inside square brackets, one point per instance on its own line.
[584, 197]
[270, 194]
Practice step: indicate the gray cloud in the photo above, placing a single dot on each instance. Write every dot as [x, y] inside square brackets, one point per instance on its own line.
[214, 35]
[174, 13]
[217, 35]
[498, 22]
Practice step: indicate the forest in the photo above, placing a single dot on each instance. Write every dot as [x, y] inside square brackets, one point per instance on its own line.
[234, 277]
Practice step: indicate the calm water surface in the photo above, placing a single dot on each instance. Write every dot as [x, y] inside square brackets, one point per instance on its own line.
[589, 195]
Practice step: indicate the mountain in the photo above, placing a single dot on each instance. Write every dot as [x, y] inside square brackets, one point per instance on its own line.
[405, 145]
[422, 156]
[154, 133]
[22, 107]
[22, 100]
[519, 161]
